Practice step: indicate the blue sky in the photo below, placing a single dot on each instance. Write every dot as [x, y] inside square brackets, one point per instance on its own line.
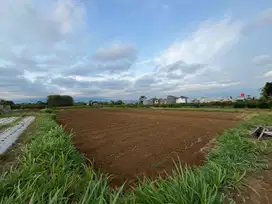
[126, 48]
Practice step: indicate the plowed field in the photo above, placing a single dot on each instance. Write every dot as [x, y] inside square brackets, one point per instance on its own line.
[127, 143]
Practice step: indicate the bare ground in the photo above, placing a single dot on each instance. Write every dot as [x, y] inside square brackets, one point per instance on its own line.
[129, 143]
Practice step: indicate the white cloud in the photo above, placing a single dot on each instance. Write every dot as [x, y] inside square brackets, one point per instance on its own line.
[268, 74]
[262, 60]
[185, 64]
[116, 51]
[68, 15]
[165, 6]
[211, 38]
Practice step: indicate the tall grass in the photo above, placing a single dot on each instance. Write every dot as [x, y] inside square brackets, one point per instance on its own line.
[52, 171]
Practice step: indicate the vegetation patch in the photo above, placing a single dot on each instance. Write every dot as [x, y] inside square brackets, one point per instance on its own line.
[47, 110]
[51, 170]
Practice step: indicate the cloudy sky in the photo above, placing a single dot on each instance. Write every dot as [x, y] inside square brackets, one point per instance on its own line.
[122, 49]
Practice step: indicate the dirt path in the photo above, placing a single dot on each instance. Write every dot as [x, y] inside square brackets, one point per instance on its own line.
[130, 143]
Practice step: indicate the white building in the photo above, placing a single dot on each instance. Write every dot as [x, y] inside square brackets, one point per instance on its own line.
[182, 99]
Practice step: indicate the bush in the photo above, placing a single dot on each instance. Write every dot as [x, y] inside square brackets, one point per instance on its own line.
[252, 104]
[264, 105]
[239, 105]
[47, 110]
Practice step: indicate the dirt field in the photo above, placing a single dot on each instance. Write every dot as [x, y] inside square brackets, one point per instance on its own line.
[127, 143]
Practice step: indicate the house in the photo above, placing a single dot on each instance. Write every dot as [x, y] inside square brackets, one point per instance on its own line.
[162, 101]
[155, 101]
[195, 100]
[206, 100]
[226, 100]
[182, 99]
[171, 99]
[147, 102]
[92, 103]
[239, 98]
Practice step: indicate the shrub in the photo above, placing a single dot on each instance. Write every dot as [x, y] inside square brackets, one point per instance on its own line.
[47, 110]
[251, 104]
[264, 105]
[239, 105]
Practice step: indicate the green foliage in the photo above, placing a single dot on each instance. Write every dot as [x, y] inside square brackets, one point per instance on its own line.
[47, 110]
[239, 104]
[119, 102]
[266, 91]
[8, 103]
[80, 104]
[59, 100]
[264, 104]
[252, 104]
[51, 170]
[38, 105]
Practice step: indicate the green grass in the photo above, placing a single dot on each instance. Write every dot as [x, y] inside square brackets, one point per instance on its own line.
[51, 170]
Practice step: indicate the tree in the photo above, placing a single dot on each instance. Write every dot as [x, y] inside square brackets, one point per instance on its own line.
[59, 100]
[119, 102]
[141, 99]
[40, 104]
[266, 91]
[80, 103]
[7, 103]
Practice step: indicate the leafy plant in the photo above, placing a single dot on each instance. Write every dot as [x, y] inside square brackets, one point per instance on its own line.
[47, 110]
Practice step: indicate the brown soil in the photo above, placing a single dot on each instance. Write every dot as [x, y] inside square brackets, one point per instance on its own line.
[128, 143]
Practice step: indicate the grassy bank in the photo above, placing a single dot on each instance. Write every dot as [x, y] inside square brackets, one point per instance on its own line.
[51, 170]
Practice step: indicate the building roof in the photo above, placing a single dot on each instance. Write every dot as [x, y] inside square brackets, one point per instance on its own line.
[183, 97]
[172, 96]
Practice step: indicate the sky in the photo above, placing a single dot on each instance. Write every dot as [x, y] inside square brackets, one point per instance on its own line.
[122, 49]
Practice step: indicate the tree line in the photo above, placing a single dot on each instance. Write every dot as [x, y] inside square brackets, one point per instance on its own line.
[53, 101]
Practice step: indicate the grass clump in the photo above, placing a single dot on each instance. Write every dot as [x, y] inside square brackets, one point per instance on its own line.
[47, 110]
[52, 171]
